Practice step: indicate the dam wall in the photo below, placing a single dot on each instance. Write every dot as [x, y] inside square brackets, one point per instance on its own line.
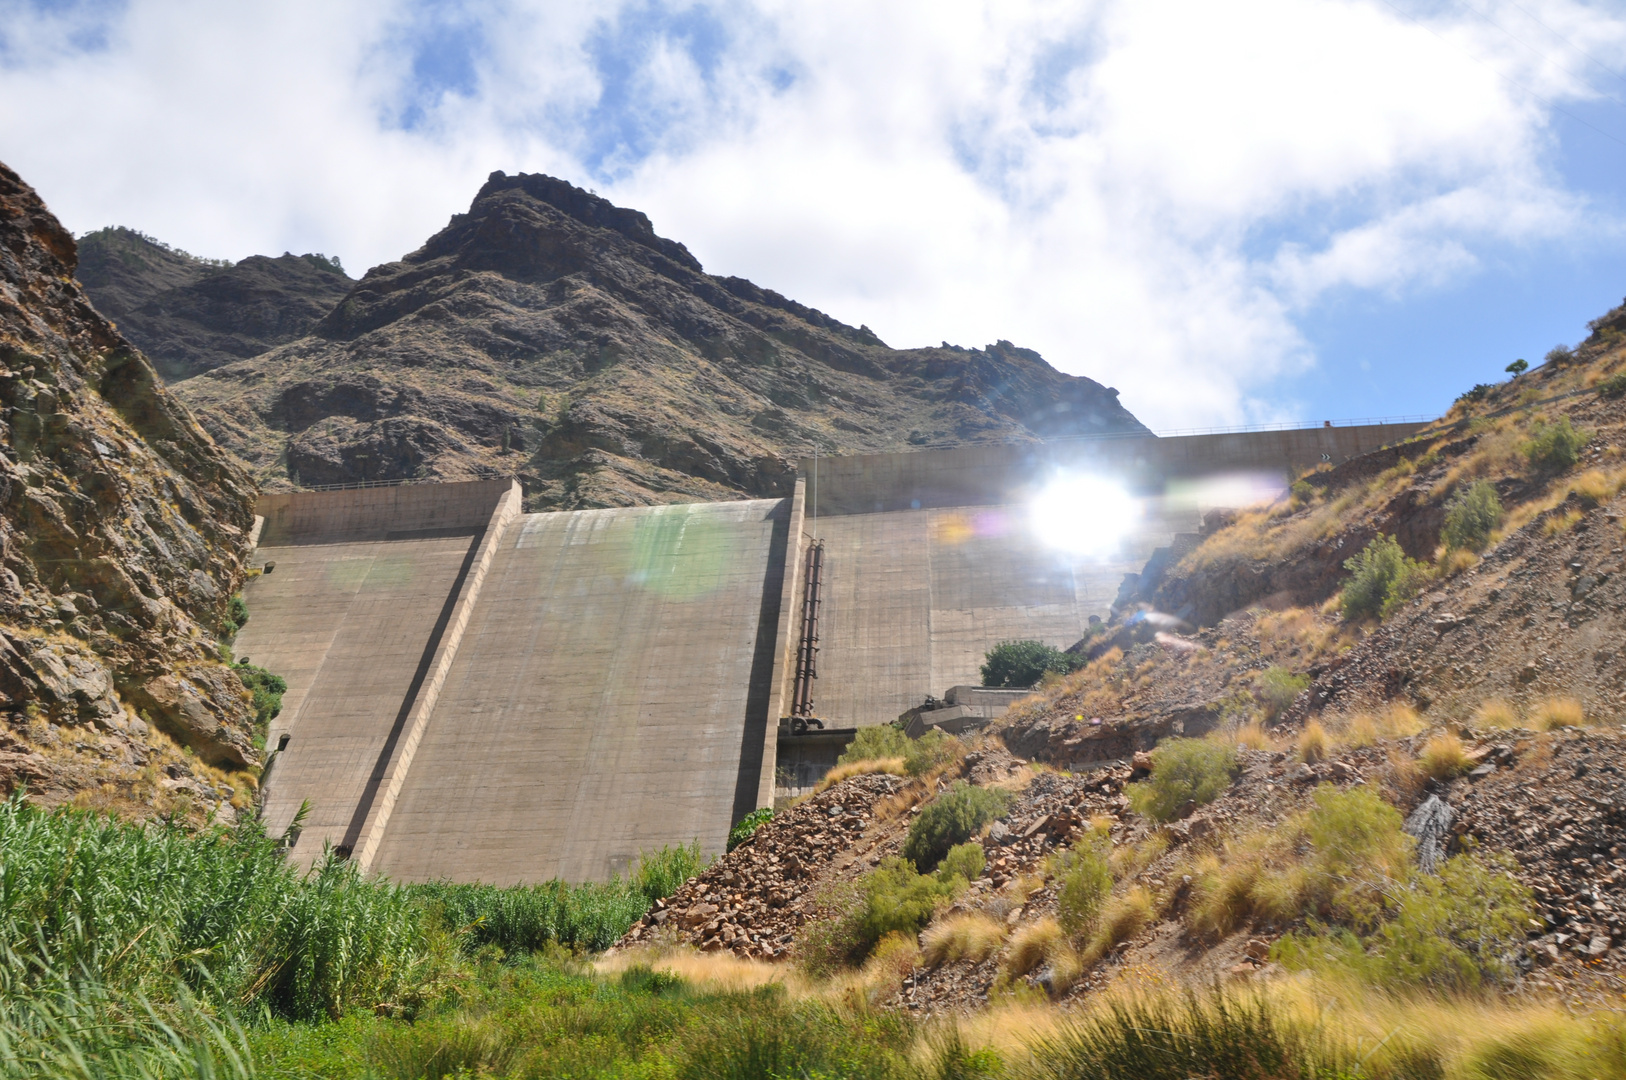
[611, 696]
[1010, 473]
[475, 693]
[537, 696]
[914, 599]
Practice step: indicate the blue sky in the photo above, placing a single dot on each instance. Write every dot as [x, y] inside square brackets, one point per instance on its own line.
[1260, 211]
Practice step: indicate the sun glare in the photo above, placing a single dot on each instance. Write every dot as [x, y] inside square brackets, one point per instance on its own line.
[1084, 515]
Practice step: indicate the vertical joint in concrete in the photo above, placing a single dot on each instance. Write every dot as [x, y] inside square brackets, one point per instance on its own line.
[395, 771]
[784, 662]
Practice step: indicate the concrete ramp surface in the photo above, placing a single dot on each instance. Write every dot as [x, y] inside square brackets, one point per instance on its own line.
[610, 696]
[350, 626]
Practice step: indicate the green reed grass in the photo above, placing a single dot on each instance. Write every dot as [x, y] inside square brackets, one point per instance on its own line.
[142, 908]
[590, 916]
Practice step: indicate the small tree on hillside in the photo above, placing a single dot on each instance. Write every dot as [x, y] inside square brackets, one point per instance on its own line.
[1021, 664]
[1471, 516]
[1382, 578]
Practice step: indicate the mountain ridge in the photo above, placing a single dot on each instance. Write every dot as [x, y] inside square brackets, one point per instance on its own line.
[549, 334]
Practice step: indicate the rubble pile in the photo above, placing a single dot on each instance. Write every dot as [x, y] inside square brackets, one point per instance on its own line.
[1558, 805]
[753, 900]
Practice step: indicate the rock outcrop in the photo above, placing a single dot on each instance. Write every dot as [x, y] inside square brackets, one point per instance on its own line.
[189, 315]
[551, 335]
[123, 527]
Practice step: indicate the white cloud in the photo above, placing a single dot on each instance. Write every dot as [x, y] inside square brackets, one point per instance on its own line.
[1150, 192]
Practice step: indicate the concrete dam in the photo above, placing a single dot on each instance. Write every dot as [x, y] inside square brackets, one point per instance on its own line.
[477, 693]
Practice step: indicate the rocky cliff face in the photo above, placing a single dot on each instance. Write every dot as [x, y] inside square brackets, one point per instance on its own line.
[549, 334]
[189, 314]
[123, 531]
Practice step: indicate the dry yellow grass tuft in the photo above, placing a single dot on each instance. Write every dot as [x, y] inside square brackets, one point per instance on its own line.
[1400, 721]
[718, 970]
[1402, 779]
[1495, 713]
[1596, 486]
[893, 765]
[1561, 523]
[1253, 736]
[1358, 731]
[1559, 712]
[974, 937]
[1313, 743]
[1444, 757]
[1127, 860]
[1457, 560]
[1030, 946]
[1122, 918]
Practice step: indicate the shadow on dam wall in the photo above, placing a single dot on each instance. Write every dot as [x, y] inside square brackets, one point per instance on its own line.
[481, 694]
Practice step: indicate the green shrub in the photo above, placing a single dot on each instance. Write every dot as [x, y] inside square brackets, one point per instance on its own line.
[1021, 664]
[1614, 386]
[922, 755]
[1357, 848]
[1084, 881]
[142, 908]
[747, 825]
[764, 1036]
[875, 743]
[1382, 578]
[1471, 516]
[1518, 367]
[965, 861]
[266, 688]
[661, 873]
[1555, 446]
[236, 615]
[1454, 931]
[1560, 355]
[1183, 771]
[894, 898]
[952, 818]
[1277, 687]
[1479, 392]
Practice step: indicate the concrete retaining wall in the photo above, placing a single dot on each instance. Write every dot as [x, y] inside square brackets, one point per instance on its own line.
[914, 599]
[359, 628]
[325, 517]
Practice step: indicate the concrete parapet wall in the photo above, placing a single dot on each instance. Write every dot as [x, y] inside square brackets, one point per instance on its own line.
[326, 517]
[1011, 472]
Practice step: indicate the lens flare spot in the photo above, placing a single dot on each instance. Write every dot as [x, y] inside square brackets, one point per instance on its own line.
[1084, 515]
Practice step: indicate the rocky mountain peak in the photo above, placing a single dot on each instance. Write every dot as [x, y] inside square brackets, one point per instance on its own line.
[549, 334]
[589, 209]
